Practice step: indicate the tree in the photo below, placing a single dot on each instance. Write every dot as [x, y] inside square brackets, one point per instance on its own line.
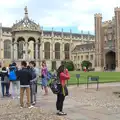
[86, 64]
[68, 64]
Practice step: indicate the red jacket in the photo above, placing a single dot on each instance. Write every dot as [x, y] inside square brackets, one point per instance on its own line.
[64, 76]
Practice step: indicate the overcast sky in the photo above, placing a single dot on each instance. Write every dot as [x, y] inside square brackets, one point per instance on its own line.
[67, 14]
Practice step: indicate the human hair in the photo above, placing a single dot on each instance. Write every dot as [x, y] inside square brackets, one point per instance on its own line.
[43, 62]
[14, 64]
[33, 63]
[60, 69]
[4, 68]
[28, 67]
[23, 63]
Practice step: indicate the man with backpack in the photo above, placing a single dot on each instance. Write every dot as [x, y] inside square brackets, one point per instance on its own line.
[4, 81]
[33, 82]
[15, 81]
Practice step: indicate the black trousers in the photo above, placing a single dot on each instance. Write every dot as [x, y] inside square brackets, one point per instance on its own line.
[59, 103]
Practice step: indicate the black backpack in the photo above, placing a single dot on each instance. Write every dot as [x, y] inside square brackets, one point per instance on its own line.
[55, 85]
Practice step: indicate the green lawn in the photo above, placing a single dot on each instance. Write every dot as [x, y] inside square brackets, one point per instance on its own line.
[104, 77]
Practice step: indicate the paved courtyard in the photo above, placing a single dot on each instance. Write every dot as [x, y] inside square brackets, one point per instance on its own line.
[81, 104]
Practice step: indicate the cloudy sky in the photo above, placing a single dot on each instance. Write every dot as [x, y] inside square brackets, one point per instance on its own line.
[67, 14]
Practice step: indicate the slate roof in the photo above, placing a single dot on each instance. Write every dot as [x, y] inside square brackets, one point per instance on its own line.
[83, 47]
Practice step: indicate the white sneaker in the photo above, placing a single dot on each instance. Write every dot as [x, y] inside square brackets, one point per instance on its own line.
[31, 106]
[21, 107]
[18, 97]
[13, 98]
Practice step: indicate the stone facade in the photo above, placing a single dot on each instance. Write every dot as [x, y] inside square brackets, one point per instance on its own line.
[107, 42]
[26, 40]
[84, 52]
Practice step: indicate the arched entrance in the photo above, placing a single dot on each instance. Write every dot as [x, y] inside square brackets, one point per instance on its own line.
[110, 60]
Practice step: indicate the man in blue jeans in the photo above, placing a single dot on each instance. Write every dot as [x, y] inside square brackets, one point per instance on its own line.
[5, 82]
[33, 85]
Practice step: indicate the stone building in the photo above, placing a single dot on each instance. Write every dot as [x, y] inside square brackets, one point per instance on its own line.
[107, 42]
[26, 40]
[84, 52]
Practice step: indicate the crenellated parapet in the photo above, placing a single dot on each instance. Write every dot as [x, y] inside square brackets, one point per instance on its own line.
[117, 9]
[98, 15]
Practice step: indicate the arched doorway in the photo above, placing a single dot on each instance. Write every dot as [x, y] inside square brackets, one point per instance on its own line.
[110, 60]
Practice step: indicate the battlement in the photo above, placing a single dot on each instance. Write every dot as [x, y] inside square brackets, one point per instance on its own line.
[117, 9]
[107, 22]
[98, 15]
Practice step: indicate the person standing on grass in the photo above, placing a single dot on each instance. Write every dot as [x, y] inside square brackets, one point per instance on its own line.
[25, 77]
[63, 76]
[44, 72]
[33, 84]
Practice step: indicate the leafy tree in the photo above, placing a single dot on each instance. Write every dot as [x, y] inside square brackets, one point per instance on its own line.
[68, 64]
[86, 64]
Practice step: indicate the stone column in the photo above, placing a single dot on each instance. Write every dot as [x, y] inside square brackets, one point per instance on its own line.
[62, 53]
[15, 50]
[98, 41]
[36, 51]
[26, 51]
[117, 36]
[42, 50]
[12, 50]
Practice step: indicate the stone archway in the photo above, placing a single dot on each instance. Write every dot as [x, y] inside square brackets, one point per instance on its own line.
[110, 60]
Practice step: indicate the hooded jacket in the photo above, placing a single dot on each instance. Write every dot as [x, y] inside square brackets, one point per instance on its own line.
[3, 74]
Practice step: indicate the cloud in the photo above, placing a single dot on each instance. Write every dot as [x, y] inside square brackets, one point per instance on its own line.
[62, 13]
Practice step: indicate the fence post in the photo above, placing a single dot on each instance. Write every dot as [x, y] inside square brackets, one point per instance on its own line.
[78, 79]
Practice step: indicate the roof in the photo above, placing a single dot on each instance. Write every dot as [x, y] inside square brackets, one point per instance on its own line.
[6, 29]
[58, 33]
[26, 24]
[83, 47]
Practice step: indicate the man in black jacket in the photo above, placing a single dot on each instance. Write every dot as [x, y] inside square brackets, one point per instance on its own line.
[25, 77]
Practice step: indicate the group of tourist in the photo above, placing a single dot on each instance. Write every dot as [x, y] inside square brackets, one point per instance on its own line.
[25, 79]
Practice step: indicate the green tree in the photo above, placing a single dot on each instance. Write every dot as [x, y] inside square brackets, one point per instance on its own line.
[68, 64]
[86, 64]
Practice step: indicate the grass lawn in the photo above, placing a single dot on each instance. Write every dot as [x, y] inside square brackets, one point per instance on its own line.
[104, 77]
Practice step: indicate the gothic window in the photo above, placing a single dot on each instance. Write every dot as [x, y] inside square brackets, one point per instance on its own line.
[47, 50]
[21, 51]
[7, 49]
[57, 50]
[67, 50]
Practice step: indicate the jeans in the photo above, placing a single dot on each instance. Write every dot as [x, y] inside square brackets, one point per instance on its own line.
[22, 89]
[15, 88]
[3, 85]
[33, 92]
[59, 103]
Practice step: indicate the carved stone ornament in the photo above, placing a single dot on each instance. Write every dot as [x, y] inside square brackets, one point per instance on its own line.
[109, 36]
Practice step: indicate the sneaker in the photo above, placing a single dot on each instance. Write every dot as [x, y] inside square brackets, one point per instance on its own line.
[31, 106]
[18, 97]
[61, 113]
[21, 107]
[34, 103]
[13, 98]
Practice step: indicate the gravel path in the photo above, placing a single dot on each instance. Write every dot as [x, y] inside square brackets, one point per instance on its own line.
[10, 110]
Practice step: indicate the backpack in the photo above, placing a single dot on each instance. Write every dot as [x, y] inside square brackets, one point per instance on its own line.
[6, 79]
[55, 86]
[12, 75]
